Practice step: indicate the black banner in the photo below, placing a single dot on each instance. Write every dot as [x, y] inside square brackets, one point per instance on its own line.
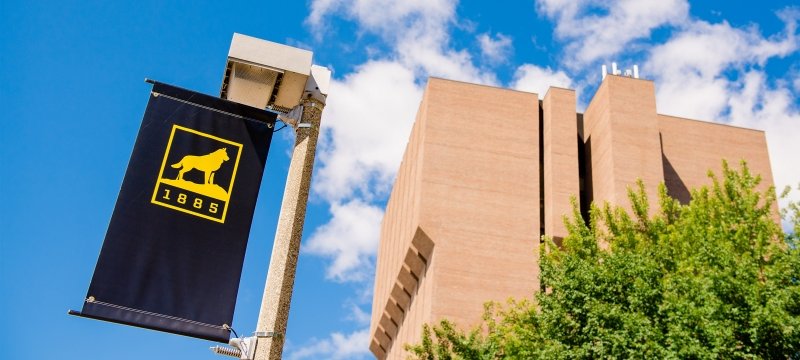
[172, 255]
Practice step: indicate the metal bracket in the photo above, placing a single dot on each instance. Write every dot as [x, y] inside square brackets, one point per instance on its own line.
[267, 334]
[293, 117]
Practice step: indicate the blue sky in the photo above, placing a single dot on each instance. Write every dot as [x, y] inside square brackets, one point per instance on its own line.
[73, 96]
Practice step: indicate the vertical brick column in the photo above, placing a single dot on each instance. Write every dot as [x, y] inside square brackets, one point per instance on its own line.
[621, 131]
[560, 147]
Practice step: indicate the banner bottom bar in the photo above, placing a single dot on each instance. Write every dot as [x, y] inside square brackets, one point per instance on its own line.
[221, 336]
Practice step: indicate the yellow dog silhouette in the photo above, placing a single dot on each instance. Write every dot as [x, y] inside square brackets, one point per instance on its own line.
[209, 164]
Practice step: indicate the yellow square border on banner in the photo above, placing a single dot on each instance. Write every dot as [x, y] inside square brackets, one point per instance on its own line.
[164, 164]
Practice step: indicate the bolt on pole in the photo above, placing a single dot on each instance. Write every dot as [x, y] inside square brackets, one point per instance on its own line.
[274, 314]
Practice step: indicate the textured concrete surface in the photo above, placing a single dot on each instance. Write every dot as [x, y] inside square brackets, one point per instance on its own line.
[283, 262]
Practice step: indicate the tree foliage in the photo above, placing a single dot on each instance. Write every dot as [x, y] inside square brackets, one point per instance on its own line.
[716, 278]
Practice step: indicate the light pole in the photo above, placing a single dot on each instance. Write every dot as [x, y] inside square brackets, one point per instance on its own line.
[268, 75]
[274, 312]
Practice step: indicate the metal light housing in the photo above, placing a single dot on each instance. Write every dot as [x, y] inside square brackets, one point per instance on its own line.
[265, 74]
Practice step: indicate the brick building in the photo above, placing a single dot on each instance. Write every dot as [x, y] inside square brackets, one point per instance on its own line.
[487, 171]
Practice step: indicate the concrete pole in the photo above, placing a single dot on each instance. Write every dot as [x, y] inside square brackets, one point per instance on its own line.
[274, 314]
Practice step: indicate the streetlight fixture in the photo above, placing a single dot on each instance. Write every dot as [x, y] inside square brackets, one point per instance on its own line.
[280, 78]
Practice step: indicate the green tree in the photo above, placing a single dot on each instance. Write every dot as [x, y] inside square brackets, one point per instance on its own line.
[716, 278]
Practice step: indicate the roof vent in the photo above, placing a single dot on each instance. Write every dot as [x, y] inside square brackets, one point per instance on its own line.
[634, 73]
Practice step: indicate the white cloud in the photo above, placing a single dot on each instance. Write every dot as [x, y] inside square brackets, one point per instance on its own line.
[429, 56]
[319, 9]
[350, 238]
[757, 105]
[796, 81]
[495, 49]
[384, 16]
[418, 31]
[690, 67]
[692, 96]
[714, 72]
[536, 79]
[359, 316]
[366, 124]
[599, 31]
[337, 346]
